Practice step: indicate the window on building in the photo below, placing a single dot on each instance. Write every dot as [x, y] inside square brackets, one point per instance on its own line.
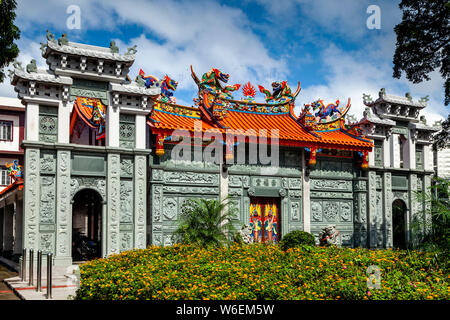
[6, 128]
[400, 144]
[419, 157]
[5, 179]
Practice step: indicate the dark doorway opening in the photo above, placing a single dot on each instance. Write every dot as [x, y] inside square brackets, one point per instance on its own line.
[399, 224]
[86, 225]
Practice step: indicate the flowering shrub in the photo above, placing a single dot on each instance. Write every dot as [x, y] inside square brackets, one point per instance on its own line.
[261, 272]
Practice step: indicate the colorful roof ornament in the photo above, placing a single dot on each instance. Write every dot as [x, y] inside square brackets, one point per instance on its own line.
[249, 91]
[324, 117]
[15, 171]
[167, 85]
[281, 92]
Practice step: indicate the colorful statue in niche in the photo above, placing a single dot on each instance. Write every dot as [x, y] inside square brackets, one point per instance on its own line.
[15, 171]
[270, 223]
[255, 222]
[167, 85]
[280, 92]
[98, 115]
[211, 82]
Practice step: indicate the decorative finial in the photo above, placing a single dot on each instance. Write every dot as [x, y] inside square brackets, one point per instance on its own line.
[382, 92]
[43, 48]
[423, 119]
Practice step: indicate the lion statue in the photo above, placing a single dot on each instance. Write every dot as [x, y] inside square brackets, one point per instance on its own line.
[329, 236]
[245, 234]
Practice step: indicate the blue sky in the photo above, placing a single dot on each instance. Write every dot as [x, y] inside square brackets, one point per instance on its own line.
[325, 44]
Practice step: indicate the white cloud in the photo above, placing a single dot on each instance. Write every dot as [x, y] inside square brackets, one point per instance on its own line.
[350, 74]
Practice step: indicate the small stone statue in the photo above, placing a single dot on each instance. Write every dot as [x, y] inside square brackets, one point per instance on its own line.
[63, 40]
[382, 92]
[43, 48]
[424, 100]
[131, 50]
[367, 112]
[17, 65]
[367, 98]
[139, 81]
[50, 36]
[423, 119]
[245, 234]
[329, 236]
[31, 67]
[408, 96]
[113, 47]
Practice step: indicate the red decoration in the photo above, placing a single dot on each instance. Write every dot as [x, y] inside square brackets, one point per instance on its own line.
[249, 90]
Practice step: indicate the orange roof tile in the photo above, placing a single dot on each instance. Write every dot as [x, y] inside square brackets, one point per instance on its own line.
[171, 117]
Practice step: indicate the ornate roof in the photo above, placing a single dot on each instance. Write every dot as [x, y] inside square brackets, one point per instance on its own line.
[217, 110]
[80, 49]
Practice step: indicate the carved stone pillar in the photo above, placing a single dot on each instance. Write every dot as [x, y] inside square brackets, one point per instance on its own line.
[372, 222]
[63, 254]
[140, 200]
[387, 204]
[306, 195]
[112, 218]
[31, 198]
[412, 220]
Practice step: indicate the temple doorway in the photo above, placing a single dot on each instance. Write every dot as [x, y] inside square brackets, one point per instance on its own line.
[265, 220]
[86, 225]
[399, 223]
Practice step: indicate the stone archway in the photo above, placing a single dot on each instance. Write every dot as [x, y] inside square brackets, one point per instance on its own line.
[87, 223]
[399, 211]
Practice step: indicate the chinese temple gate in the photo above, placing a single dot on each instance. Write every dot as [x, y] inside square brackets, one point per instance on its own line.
[112, 160]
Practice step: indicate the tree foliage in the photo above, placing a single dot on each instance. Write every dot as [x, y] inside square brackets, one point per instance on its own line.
[437, 201]
[206, 223]
[423, 41]
[8, 33]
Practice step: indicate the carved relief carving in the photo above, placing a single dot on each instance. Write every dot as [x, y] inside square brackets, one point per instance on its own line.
[170, 208]
[330, 211]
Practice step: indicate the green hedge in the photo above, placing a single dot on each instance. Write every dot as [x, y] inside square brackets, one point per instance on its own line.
[261, 272]
[297, 238]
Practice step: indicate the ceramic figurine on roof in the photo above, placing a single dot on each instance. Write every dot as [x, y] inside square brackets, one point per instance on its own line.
[281, 92]
[14, 170]
[218, 101]
[211, 81]
[323, 117]
[167, 85]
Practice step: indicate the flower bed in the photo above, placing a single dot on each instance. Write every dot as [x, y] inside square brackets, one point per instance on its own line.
[261, 272]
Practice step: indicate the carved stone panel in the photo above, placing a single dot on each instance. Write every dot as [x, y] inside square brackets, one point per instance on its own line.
[330, 210]
[126, 201]
[170, 209]
[126, 167]
[47, 211]
[48, 162]
[316, 210]
[321, 184]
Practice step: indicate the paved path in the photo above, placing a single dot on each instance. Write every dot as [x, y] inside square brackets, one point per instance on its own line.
[5, 292]
[64, 285]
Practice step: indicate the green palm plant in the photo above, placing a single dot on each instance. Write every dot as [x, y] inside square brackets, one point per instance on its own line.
[206, 222]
